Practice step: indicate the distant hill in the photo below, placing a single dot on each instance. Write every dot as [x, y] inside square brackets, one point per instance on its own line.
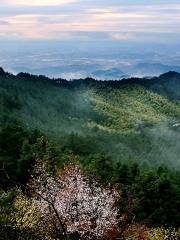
[99, 70]
[150, 69]
[109, 74]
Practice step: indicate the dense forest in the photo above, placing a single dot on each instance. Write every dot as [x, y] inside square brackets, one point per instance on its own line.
[87, 159]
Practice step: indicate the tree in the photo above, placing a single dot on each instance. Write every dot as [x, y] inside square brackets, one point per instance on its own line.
[101, 166]
[157, 199]
[72, 204]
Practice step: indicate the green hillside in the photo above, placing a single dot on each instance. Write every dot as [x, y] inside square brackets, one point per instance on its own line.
[128, 108]
[127, 121]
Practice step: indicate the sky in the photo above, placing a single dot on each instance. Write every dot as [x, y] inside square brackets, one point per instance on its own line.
[116, 23]
[89, 19]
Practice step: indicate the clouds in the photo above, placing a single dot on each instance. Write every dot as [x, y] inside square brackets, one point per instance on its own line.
[121, 36]
[3, 23]
[36, 2]
[116, 20]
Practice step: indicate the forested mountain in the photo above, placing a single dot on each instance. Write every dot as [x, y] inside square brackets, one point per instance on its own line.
[124, 132]
[126, 118]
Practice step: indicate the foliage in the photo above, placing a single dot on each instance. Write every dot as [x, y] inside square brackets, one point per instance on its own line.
[70, 203]
[163, 234]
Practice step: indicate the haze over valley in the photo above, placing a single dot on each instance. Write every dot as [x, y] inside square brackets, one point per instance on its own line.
[74, 60]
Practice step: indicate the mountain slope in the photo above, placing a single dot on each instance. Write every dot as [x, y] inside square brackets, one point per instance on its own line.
[133, 119]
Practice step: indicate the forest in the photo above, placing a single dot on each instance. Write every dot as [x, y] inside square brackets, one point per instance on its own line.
[87, 159]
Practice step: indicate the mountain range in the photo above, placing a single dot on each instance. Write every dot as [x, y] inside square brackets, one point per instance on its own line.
[100, 69]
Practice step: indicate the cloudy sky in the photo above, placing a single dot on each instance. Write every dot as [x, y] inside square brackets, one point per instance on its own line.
[117, 20]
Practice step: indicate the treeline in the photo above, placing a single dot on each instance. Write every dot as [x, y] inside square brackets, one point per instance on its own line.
[167, 84]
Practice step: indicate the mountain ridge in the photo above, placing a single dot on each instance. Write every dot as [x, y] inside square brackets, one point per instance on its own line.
[167, 84]
[133, 79]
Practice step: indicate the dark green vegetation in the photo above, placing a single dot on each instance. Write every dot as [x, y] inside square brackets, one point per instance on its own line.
[131, 120]
[126, 133]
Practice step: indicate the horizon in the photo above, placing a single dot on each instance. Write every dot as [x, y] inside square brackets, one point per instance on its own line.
[78, 39]
[2, 70]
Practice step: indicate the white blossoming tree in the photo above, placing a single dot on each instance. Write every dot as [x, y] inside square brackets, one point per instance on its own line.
[72, 204]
